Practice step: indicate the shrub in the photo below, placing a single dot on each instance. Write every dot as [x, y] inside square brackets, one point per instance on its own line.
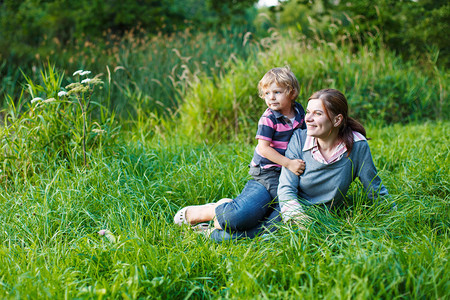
[410, 28]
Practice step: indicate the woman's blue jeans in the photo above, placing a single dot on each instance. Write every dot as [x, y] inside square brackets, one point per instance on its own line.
[250, 213]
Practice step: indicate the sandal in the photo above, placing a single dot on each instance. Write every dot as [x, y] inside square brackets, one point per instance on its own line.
[180, 217]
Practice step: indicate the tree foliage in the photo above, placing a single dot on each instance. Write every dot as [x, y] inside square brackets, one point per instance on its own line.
[411, 28]
[25, 24]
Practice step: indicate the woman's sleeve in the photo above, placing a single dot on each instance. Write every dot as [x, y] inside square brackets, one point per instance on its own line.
[368, 175]
[289, 182]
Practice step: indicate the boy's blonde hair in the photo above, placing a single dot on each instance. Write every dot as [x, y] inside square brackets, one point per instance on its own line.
[282, 77]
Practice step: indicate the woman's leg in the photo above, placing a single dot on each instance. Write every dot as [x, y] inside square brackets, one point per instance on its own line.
[269, 224]
[239, 214]
[246, 211]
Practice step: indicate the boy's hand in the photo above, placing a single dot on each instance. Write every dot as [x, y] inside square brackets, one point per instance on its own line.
[296, 166]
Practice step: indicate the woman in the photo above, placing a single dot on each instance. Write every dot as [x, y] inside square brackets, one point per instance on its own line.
[335, 150]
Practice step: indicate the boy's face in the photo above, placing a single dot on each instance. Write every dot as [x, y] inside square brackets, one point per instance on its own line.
[277, 98]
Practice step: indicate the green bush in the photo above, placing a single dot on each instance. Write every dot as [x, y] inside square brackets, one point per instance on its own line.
[147, 73]
[27, 24]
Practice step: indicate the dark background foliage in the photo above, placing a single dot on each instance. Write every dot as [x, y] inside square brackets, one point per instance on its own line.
[26, 24]
[412, 28]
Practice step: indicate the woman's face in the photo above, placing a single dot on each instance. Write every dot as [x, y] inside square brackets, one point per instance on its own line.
[317, 122]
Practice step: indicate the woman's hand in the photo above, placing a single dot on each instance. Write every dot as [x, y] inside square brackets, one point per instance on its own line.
[296, 166]
[300, 220]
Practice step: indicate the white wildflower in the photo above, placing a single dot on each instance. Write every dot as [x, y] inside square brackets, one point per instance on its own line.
[62, 94]
[77, 72]
[36, 99]
[85, 73]
[86, 80]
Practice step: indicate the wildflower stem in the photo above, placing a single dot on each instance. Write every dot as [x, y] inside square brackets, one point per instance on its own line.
[83, 113]
[84, 139]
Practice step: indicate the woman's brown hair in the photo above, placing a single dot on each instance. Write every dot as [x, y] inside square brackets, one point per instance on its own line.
[334, 102]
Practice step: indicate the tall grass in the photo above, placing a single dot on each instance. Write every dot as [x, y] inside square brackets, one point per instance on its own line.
[51, 123]
[152, 76]
[50, 246]
[146, 72]
[380, 87]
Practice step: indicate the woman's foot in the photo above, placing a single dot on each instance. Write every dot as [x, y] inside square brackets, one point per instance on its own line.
[195, 214]
[200, 213]
[223, 200]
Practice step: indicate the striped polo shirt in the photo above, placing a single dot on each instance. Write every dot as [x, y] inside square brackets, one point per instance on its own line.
[277, 129]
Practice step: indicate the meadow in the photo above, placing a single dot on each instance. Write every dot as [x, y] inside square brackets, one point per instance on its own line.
[124, 151]
[51, 247]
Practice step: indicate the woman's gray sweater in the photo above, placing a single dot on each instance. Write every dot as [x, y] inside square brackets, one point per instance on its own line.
[322, 183]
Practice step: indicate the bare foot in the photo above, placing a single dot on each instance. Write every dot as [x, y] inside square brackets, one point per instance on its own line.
[200, 213]
[216, 224]
[204, 213]
[223, 200]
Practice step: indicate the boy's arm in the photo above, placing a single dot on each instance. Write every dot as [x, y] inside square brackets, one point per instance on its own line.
[296, 166]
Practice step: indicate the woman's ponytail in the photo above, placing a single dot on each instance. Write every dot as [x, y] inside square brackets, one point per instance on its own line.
[346, 132]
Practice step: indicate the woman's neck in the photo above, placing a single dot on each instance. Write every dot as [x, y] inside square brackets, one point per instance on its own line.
[328, 144]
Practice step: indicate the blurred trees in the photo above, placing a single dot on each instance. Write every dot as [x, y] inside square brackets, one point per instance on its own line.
[25, 24]
[411, 28]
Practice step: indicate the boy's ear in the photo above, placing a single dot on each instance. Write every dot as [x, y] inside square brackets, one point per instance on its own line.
[292, 95]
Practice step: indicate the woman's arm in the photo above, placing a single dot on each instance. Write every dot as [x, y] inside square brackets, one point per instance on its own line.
[367, 172]
[289, 182]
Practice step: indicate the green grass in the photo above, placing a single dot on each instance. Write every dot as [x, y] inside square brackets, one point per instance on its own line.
[50, 247]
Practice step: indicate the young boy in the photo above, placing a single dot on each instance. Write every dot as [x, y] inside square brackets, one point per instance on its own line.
[279, 88]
